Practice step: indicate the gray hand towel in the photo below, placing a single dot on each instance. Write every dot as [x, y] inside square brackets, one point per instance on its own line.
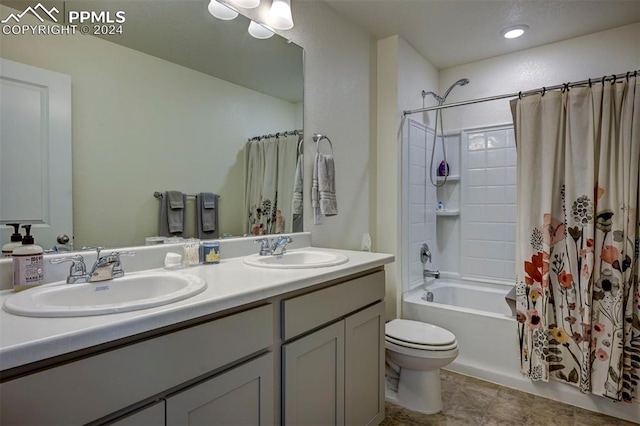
[172, 217]
[207, 215]
[296, 205]
[326, 185]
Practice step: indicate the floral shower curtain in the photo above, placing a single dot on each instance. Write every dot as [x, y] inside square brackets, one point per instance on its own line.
[270, 173]
[577, 291]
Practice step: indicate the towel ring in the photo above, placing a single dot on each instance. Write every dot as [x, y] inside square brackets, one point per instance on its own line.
[319, 137]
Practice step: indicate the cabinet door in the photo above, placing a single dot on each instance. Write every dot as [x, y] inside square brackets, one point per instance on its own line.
[314, 378]
[149, 416]
[241, 396]
[364, 366]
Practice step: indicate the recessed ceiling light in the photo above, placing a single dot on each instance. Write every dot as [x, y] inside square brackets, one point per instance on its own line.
[514, 31]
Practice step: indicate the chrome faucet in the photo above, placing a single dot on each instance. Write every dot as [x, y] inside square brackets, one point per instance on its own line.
[77, 271]
[280, 246]
[273, 246]
[108, 267]
[429, 273]
[105, 268]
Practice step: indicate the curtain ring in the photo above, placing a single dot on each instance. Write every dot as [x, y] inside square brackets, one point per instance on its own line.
[565, 87]
[614, 78]
[628, 72]
[589, 82]
[544, 90]
[520, 95]
[603, 80]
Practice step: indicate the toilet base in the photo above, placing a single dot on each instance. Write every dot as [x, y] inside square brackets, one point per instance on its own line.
[418, 391]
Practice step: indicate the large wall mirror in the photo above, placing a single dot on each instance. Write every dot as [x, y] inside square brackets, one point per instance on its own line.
[169, 104]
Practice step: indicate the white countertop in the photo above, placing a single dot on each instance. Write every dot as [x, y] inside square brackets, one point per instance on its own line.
[230, 284]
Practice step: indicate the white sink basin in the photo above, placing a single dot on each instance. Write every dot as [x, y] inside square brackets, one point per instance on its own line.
[129, 293]
[297, 259]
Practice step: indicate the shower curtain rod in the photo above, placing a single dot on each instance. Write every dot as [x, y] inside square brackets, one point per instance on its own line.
[275, 135]
[543, 90]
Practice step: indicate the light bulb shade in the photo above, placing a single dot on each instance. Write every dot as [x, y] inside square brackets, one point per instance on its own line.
[247, 4]
[280, 15]
[259, 31]
[221, 11]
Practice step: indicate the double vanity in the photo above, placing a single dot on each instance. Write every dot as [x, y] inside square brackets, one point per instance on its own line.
[292, 339]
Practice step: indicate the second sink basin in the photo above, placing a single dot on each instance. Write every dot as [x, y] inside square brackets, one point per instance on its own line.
[297, 259]
[129, 293]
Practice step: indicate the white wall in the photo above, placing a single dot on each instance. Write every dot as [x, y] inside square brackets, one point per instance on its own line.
[142, 124]
[336, 93]
[402, 74]
[603, 53]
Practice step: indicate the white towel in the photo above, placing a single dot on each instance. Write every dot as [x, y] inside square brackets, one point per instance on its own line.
[323, 192]
[296, 204]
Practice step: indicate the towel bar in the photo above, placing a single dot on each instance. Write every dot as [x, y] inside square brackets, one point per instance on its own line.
[319, 137]
[158, 195]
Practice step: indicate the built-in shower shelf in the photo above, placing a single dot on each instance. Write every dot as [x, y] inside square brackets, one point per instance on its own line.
[450, 178]
[447, 212]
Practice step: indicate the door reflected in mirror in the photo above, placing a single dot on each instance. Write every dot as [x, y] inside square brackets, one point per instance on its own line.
[169, 104]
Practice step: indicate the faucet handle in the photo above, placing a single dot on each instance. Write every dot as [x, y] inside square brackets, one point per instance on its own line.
[77, 270]
[75, 259]
[123, 253]
[265, 245]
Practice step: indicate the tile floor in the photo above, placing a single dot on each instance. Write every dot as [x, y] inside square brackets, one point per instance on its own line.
[469, 401]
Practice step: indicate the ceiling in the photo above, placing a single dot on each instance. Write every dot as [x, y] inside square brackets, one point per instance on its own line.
[454, 32]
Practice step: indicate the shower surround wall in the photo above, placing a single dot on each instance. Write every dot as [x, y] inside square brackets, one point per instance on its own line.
[420, 198]
[419, 216]
[488, 209]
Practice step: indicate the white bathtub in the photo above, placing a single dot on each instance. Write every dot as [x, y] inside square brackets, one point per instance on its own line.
[486, 331]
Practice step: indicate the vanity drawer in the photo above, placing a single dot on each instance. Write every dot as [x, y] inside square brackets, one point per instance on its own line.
[96, 386]
[312, 310]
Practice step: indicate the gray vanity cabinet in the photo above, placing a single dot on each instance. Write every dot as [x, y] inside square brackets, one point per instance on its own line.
[241, 396]
[334, 374]
[314, 378]
[98, 388]
[149, 416]
[306, 357]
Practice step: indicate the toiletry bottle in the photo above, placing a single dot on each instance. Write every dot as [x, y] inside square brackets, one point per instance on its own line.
[443, 169]
[16, 240]
[28, 263]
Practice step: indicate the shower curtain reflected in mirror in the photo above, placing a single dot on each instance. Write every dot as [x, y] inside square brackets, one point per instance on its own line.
[269, 188]
[577, 237]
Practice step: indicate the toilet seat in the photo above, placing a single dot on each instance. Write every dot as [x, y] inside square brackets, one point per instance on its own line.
[422, 347]
[419, 335]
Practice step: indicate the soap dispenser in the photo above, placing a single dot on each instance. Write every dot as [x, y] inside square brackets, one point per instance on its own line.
[28, 263]
[16, 240]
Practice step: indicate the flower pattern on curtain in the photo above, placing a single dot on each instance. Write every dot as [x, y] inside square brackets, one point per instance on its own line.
[578, 301]
[270, 173]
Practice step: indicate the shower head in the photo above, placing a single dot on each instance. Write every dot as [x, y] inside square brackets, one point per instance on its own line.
[461, 82]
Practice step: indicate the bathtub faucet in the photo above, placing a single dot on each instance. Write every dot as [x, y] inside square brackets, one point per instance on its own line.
[429, 273]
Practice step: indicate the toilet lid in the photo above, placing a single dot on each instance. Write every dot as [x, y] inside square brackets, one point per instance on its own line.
[418, 333]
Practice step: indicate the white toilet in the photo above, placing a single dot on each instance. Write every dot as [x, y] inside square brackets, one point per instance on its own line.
[416, 351]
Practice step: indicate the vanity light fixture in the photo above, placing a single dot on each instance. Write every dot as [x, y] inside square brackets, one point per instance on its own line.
[280, 15]
[221, 11]
[247, 4]
[514, 31]
[260, 31]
